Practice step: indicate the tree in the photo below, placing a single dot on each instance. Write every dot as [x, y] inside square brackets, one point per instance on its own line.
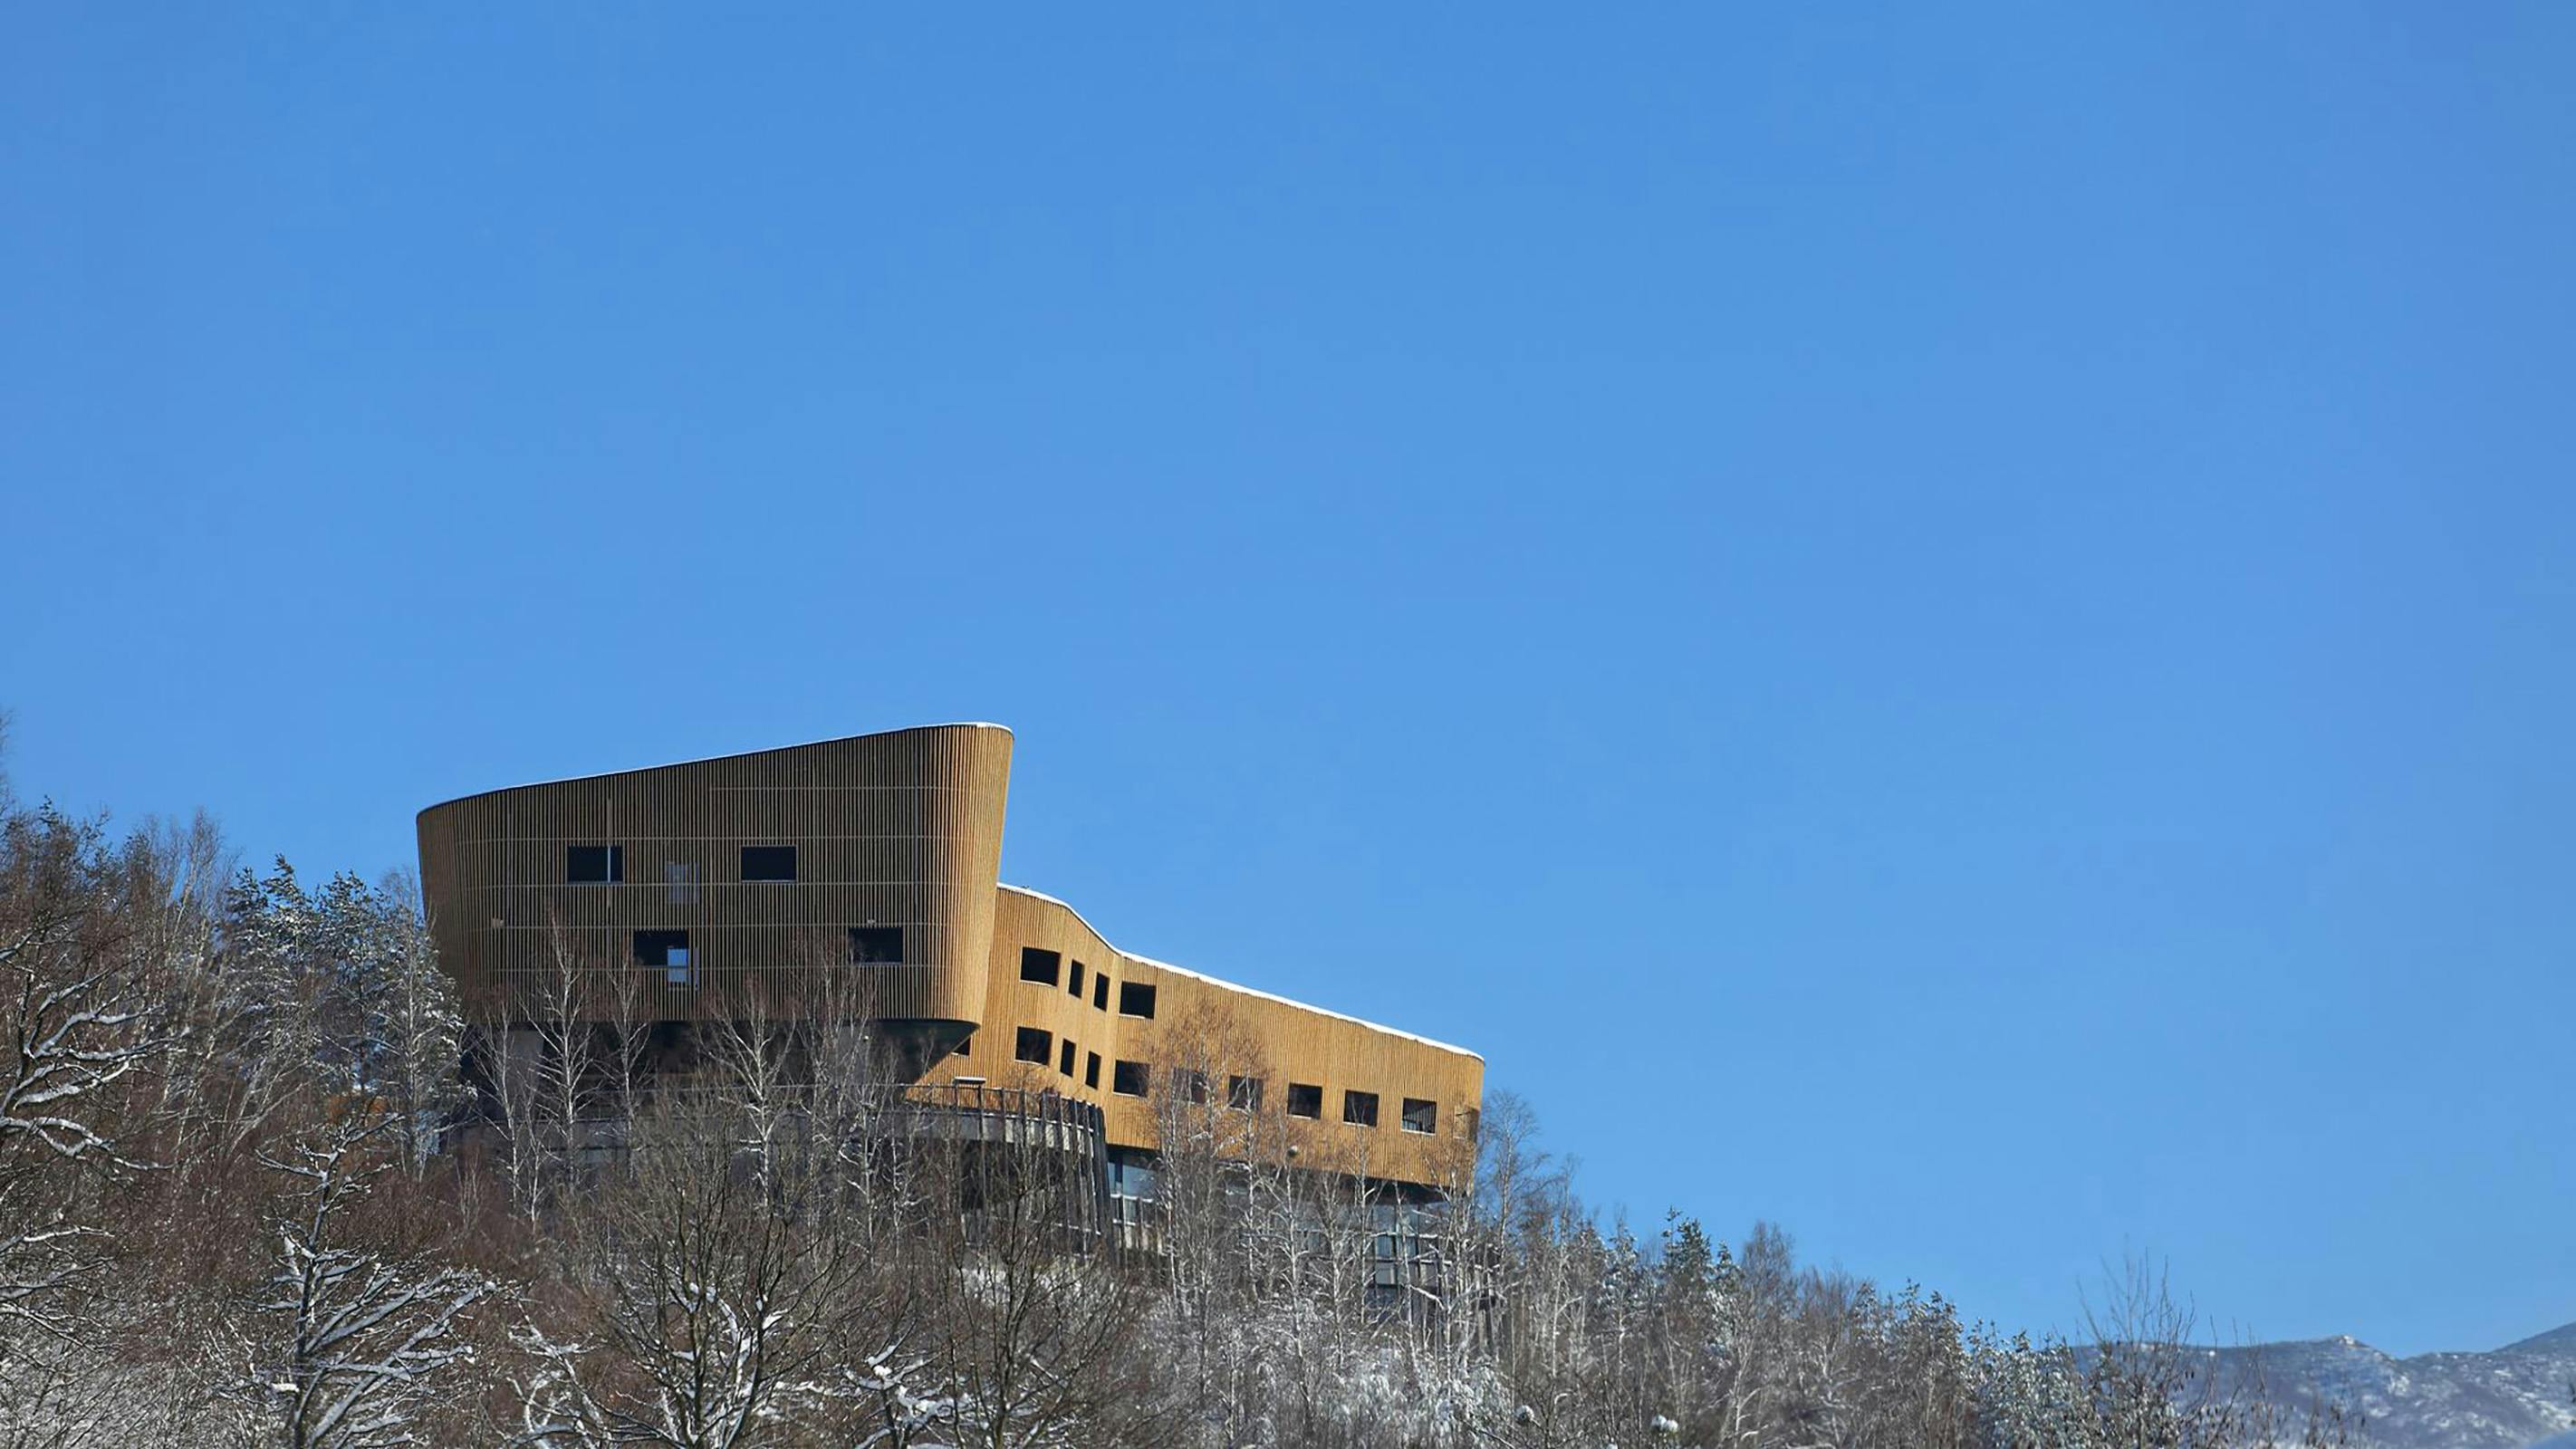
[1039, 1348]
[87, 938]
[729, 1281]
[414, 1020]
[363, 1341]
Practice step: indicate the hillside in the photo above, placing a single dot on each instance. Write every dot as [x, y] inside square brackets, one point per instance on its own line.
[2556, 1340]
[2515, 1397]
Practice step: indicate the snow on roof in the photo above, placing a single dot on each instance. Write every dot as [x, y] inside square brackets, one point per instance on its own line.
[962, 724]
[1243, 990]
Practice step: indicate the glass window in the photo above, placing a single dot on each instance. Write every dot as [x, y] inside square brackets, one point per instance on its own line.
[876, 945]
[1135, 998]
[1033, 1045]
[1359, 1108]
[1421, 1116]
[769, 862]
[1305, 1099]
[594, 864]
[1132, 1183]
[1129, 1079]
[668, 950]
[1039, 966]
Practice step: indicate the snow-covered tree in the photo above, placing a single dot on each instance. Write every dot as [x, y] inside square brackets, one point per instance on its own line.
[721, 1286]
[92, 936]
[415, 1020]
[356, 1343]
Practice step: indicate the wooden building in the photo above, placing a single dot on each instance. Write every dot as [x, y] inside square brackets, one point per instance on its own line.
[870, 864]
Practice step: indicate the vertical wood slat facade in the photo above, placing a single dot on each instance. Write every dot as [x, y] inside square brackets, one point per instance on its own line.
[901, 829]
[1201, 1023]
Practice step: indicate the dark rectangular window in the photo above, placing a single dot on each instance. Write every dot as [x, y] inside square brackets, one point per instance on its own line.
[668, 950]
[1091, 1069]
[1470, 1122]
[964, 1044]
[1100, 991]
[1421, 1116]
[1034, 1045]
[1129, 1079]
[1066, 1064]
[1039, 966]
[1359, 1108]
[1190, 1086]
[1073, 982]
[769, 862]
[1243, 1094]
[1305, 1099]
[1135, 998]
[876, 945]
[594, 864]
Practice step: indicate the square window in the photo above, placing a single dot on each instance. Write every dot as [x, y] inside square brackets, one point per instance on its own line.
[1359, 1108]
[1305, 1099]
[1421, 1116]
[876, 945]
[1073, 982]
[1243, 1094]
[1091, 1069]
[1130, 1079]
[1033, 1045]
[1190, 1086]
[1066, 1064]
[1135, 998]
[769, 862]
[594, 864]
[668, 950]
[1100, 991]
[1039, 966]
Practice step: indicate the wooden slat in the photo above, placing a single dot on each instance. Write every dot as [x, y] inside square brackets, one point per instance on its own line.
[903, 828]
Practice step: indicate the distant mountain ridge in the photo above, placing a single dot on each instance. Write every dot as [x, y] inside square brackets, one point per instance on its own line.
[2521, 1396]
[2556, 1340]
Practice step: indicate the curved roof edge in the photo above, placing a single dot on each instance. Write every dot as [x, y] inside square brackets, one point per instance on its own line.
[963, 724]
[1252, 991]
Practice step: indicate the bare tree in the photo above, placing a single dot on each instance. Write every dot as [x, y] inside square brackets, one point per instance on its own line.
[731, 1282]
[561, 1023]
[83, 987]
[2154, 1384]
[365, 1341]
[1040, 1348]
[703, 1312]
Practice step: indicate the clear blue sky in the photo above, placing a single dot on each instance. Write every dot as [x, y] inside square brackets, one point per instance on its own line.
[1953, 630]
